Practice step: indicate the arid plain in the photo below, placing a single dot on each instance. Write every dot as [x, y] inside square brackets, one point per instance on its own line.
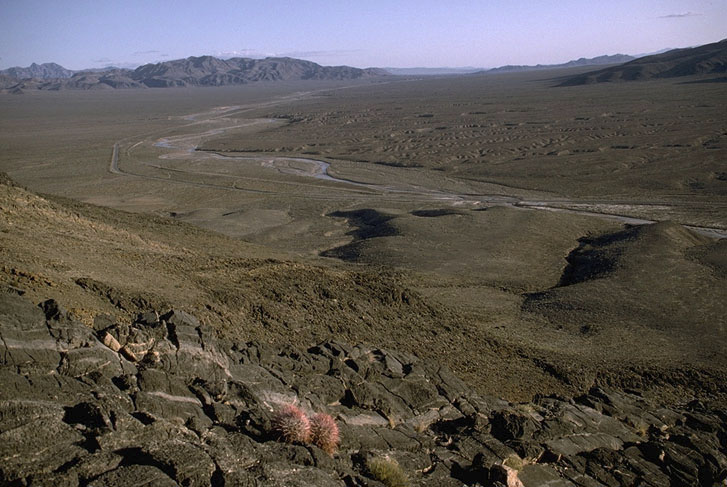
[494, 222]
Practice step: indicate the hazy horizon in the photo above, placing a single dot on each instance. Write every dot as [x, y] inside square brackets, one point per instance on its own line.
[405, 34]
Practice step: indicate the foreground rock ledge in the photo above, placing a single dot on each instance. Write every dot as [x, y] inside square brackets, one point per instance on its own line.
[163, 401]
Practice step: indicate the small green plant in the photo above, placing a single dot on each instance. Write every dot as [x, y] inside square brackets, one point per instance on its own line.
[387, 471]
[291, 424]
[324, 432]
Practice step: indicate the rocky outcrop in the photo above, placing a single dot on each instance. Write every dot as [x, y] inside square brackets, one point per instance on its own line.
[164, 401]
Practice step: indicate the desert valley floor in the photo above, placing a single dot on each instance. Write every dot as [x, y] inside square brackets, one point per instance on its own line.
[474, 280]
[494, 222]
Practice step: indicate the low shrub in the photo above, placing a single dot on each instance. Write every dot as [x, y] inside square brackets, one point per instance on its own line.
[387, 471]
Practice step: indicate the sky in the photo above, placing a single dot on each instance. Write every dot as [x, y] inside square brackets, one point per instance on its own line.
[80, 34]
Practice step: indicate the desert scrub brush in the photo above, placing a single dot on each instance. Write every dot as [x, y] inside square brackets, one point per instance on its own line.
[291, 424]
[387, 471]
[324, 433]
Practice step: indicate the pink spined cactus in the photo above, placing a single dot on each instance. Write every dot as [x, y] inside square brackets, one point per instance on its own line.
[291, 424]
[324, 433]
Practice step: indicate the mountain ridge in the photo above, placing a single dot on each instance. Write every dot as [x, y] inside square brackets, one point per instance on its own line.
[702, 60]
[510, 68]
[595, 61]
[191, 71]
[38, 71]
[211, 71]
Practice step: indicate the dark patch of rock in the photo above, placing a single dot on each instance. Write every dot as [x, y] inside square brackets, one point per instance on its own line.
[166, 402]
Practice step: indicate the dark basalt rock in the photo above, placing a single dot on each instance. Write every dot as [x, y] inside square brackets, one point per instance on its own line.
[163, 401]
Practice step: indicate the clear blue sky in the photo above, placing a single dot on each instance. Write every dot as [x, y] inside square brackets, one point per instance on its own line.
[388, 33]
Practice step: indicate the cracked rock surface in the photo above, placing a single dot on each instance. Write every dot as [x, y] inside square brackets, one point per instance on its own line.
[164, 401]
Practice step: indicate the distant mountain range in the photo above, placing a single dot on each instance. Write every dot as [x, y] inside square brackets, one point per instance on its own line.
[192, 71]
[431, 71]
[38, 71]
[704, 60]
[211, 71]
[595, 61]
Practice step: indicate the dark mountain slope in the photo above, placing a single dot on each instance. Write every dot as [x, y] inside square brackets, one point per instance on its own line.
[704, 60]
